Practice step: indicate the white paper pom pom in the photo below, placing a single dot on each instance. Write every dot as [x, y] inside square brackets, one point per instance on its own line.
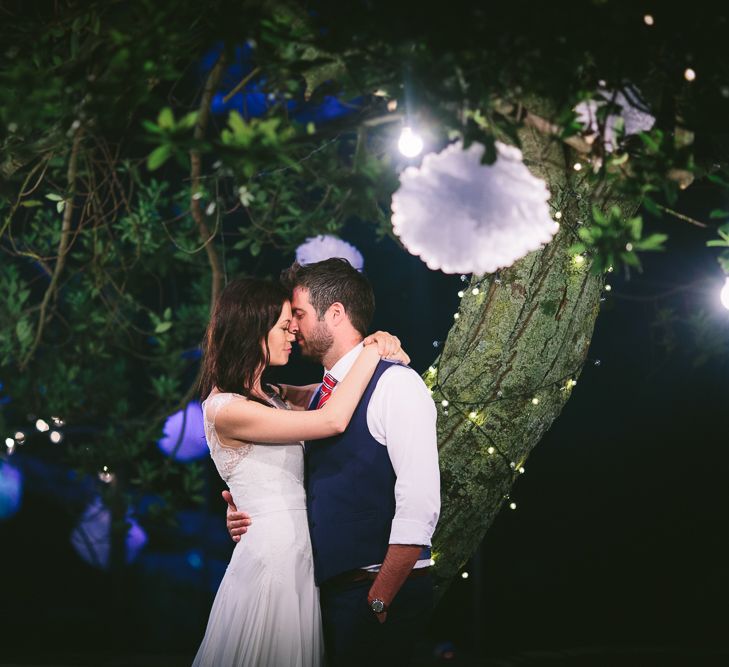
[634, 119]
[325, 246]
[460, 216]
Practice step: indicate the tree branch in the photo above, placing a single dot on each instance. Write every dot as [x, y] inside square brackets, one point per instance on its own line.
[62, 248]
[195, 168]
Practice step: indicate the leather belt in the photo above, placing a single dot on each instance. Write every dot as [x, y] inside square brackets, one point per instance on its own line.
[354, 576]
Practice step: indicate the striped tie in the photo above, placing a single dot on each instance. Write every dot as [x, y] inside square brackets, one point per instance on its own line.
[327, 386]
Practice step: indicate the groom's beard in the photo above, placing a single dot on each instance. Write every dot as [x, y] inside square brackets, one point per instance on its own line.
[317, 343]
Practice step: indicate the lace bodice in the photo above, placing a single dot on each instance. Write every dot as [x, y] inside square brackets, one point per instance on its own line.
[262, 477]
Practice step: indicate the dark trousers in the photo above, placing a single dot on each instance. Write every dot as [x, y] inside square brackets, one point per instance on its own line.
[353, 635]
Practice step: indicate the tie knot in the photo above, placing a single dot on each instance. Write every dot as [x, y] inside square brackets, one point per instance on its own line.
[329, 381]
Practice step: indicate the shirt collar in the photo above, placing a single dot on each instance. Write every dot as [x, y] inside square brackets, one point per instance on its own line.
[341, 368]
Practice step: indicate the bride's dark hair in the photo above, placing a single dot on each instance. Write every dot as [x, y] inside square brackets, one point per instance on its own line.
[236, 340]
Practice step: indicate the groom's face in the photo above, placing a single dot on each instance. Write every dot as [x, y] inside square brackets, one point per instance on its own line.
[312, 334]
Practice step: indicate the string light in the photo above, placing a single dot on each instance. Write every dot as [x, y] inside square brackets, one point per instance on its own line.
[558, 215]
[608, 288]
[392, 105]
[521, 470]
[444, 403]
[629, 247]
[724, 295]
[9, 442]
[512, 506]
[464, 575]
[56, 437]
[610, 269]
[42, 425]
[460, 294]
[456, 316]
[577, 166]
[689, 74]
[432, 561]
[535, 401]
[57, 422]
[490, 450]
[579, 260]
[20, 437]
[473, 414]
[106, 476]
[409, 144]
[475, 291]
[648, 19]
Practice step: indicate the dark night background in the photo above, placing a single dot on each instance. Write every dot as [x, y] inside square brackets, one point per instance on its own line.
[615, 555]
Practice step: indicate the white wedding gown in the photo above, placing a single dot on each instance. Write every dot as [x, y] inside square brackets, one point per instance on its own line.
[266, 611]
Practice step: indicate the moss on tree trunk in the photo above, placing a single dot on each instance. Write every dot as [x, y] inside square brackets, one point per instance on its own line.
[506, 365]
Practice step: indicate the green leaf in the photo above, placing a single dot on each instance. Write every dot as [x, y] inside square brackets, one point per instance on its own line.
[158, 157]
[653, 242]
[23, 331]
[162, 327]
[31, 203]
[54, 197]
[166, 119]
[718, 213]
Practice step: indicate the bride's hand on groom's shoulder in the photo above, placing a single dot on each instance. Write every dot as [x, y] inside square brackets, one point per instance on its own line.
[236, 522]
[388, 346]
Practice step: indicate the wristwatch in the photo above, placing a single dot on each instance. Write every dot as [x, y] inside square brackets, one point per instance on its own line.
[377, 606]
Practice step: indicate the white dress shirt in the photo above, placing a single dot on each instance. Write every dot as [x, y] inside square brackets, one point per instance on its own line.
[401, 416]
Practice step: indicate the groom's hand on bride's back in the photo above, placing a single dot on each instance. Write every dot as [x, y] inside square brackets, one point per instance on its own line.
[237, 522]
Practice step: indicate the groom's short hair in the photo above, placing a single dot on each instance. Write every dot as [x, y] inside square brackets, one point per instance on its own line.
[331, 281]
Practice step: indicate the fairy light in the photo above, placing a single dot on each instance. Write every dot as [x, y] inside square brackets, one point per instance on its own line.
[535, 401]
[473, 414]
[512, 506]
[464, 575]
[456, 316]
[460, 294]
[578, 260]
[56, 437]
[558, 215]
[689, 74]
[444, 403]
[42, 425]
[106, 476]
[475, 291]
[724, 295]
[9, 443]
[608, 288]
[648, 20]
[629, 247]
[432, 561]
[610, 269]
[490, 450]
[57, 422]
[521, 470]
[20, 437]
[409, 143]
[392, 105]
[577, 166]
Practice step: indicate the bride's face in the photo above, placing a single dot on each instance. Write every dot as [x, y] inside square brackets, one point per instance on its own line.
[280, 338]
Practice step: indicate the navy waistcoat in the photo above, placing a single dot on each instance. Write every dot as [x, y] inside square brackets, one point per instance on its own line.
[350, 494]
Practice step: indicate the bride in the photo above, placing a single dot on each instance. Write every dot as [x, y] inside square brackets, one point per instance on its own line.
[266, 611]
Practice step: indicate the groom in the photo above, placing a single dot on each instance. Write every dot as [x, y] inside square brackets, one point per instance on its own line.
[373, 492]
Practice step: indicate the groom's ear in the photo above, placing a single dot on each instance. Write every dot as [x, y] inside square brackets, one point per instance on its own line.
[336, 314]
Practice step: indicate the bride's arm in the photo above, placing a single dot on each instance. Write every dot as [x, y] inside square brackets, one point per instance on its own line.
[247, 421]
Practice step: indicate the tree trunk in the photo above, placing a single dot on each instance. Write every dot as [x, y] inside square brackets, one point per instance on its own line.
[507, 362]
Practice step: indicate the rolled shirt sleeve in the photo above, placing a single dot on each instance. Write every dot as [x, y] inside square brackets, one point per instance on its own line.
[402, 416]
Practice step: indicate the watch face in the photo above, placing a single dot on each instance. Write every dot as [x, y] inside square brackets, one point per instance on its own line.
[378, 606]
